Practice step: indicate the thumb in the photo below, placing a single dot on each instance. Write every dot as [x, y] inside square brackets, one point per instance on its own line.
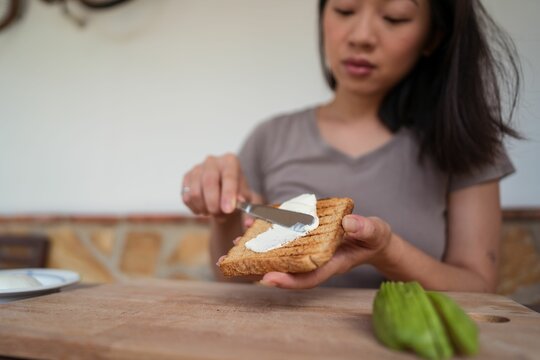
[358, 227]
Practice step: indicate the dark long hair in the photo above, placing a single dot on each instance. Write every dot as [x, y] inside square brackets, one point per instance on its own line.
[452, 99]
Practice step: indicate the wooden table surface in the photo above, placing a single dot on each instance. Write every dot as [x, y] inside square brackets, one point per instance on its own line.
[163, 319]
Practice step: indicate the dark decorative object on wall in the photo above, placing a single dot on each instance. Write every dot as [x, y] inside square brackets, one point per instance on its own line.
[93, 4]
[102, 4]
[89, 4]
[23, 251]
[10, 12]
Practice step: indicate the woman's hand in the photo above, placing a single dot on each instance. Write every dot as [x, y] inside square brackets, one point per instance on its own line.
[213, 186]
[365, 242]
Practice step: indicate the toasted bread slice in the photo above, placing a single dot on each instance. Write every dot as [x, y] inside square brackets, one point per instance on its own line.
[301, 255]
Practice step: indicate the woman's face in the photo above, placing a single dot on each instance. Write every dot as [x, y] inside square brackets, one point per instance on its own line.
[370, 45]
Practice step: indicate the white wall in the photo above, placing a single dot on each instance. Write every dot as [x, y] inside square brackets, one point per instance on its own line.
[108, 118]
[520, 19]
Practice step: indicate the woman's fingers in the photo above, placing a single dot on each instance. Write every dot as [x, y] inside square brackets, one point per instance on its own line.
[293, 281]
[194, 197]
[210, 182]
[230, 169]
[214, 186]
[303, 280]
[363, 238]
[289, 281]
[370, 232]
[184, 190]
[248, 221]
[355, 226]
[220, 259]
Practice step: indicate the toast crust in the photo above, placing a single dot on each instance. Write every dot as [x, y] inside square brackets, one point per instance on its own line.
[301, 255]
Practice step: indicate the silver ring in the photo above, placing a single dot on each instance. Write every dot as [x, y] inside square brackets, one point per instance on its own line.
[185, 189]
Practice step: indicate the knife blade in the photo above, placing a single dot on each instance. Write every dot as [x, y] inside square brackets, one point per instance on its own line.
[294, 220]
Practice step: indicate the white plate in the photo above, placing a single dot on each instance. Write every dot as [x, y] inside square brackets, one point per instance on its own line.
[51, 280]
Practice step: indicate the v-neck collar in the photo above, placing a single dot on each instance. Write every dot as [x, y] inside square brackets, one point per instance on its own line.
[340, 155]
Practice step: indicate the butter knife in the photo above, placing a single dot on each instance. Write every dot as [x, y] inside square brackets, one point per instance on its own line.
[294, 220]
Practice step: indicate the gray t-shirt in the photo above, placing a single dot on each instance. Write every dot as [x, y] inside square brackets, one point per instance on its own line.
[286, 156]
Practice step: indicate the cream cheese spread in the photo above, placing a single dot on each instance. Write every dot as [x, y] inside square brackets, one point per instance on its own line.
[278, 235]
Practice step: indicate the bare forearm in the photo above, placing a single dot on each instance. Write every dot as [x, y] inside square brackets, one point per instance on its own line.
[404, 262]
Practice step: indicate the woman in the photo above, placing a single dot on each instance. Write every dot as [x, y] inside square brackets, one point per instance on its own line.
[413, 135]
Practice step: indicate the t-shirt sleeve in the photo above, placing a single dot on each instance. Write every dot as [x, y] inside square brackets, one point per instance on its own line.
[498, 170]
[251, 159]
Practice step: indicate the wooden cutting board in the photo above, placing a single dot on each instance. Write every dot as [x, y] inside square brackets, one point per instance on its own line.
[161, 319]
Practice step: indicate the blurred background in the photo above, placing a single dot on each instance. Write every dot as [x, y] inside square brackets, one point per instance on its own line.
[104, 109]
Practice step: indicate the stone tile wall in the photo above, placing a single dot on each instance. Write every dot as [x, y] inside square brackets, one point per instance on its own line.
[111, 249]
[108, 249]
[519, 270]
